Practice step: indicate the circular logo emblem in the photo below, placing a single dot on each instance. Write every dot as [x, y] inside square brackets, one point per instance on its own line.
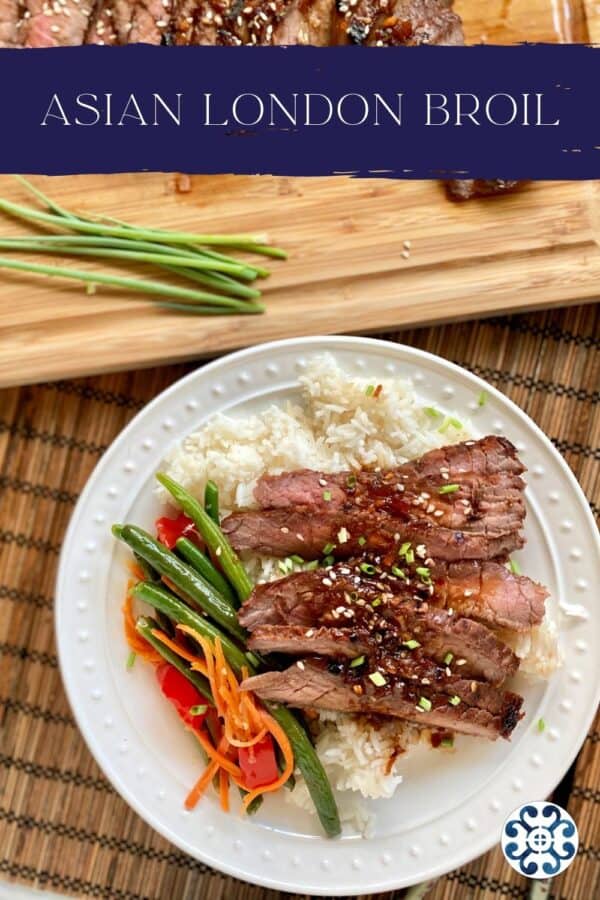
[539, 839]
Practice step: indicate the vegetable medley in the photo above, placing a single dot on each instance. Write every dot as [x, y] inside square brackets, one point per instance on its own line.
[194, 581]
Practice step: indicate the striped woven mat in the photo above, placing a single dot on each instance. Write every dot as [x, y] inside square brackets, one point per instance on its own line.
[62, 827]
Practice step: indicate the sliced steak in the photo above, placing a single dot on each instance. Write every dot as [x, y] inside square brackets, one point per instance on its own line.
[292, 601]
[296, 640]
[141, 21]
[310, 683]
[486, 591]
[11, 22]
[51, 24]
[490, 466]
[101, 29]
[283, 532]
[489, 592]
[400, 22]
[467, 188]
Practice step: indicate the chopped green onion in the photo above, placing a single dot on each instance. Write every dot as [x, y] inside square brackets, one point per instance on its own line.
[541, 725]
[362, 541]
[448, 742]
[351, 481]
[376, 602]
[312, 565]
[357, 661]
[432, 412]
[328, 560]
[482, 399]
[131, 659]
[450, 421]
[198, 710]
[377, 679]
[448, 658]
[411, 644]
[399, 573]
[367, 568]
[423, 571]
[449, 489]
[327, 496]
[454, 701]
[425, 704]
[297, 559]
[369, 389]
[327, 549]
[514, 567]
[404, 549]
[409, 556]
[284, 565]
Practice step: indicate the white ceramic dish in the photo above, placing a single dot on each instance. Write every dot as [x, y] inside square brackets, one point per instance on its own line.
[451, 806]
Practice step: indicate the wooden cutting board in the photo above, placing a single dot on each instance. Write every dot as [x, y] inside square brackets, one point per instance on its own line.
[346, 272]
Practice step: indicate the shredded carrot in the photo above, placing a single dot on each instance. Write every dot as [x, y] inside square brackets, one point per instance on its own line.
[205, 779]
[136, 642]
[224, 790]
[245, 721]
[197, 663]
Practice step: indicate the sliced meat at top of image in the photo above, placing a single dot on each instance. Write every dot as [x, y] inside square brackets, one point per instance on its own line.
[399, 22]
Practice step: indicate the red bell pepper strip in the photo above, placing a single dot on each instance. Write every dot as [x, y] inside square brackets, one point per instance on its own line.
[258, 763]
[182, 694]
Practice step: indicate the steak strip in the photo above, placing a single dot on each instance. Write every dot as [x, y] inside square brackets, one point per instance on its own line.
[439, 633]
[486, 591]
[310, 683]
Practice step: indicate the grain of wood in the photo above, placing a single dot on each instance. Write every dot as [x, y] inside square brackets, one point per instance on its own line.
[348, 266]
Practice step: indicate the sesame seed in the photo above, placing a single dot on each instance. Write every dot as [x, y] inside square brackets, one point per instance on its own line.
[468, 592]
[284, 530]
[300, 665]
[438, 513]
[309, 633]
[461, 662]
[473, 686]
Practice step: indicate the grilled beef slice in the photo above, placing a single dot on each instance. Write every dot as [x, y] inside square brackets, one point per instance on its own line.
[282, 532]
[399, 22]
[484, 591]
[46, 23]
[482, 518]
[438, 633]
[311, 683]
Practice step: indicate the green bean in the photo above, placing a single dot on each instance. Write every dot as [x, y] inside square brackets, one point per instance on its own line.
[145, 627]
[186, 579]
[211, 501]
[196, 558]
[212, 535]
[148, 572]
[175, 609]
[311, 767]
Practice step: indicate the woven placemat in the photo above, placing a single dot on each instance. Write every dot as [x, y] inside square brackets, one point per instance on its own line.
[61, 825]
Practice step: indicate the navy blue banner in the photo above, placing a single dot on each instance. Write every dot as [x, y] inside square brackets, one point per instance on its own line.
[409, 112]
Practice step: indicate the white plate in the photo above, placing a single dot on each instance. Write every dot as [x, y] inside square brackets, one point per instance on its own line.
[451, 806]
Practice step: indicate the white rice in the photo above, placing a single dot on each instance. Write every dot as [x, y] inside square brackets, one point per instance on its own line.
[337, 425]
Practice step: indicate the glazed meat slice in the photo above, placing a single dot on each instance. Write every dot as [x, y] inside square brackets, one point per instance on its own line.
[11, 23]
[283, 532]
[232, 22]
[489, 465]
[101, 28]
[140, 21]
[486, 591]
[311, 683]
[296, 640]
[481, 653]
[376, 23]
[467, 188]
[49, 24]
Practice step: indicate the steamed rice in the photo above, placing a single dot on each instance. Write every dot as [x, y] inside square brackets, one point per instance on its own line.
[336, 426]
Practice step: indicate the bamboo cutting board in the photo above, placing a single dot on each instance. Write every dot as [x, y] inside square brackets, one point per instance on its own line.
[348, 267]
